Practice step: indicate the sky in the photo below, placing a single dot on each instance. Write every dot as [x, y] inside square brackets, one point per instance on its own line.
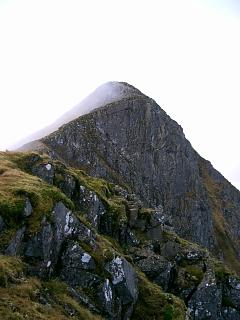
[184, 54]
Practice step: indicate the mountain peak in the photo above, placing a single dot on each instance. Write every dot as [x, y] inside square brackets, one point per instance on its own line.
[104, 94]
[114, 90]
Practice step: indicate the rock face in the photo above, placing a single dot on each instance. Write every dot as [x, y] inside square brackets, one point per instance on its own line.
[132, 141]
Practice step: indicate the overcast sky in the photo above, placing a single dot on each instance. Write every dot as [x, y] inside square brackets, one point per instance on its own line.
[184, 54]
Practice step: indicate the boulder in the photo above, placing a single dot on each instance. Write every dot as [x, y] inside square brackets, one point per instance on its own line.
[124, 280]
[157, 269]
[206, 301]
[77, 266]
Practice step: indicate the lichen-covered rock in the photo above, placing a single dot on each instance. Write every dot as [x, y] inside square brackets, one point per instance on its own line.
[124, 280]
[45, 171]
[205, 303]
[91, 205]
[44, 248]
[110, 303]
[77, 266]
[89, 242]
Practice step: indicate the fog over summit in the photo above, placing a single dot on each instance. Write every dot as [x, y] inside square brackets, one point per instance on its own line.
[106, 93]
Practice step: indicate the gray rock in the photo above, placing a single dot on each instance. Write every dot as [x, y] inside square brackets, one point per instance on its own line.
[109, 302]
[44, 171]
[158, 217]
[27, 211]
[231, 292]
[15, 246]
[43, 250]
[67, 183]
[68, 226]
[206, 301]
[157, 269]
[83, 299]
[78, 266]
[41, 246]
[90, 204]
[125, 283]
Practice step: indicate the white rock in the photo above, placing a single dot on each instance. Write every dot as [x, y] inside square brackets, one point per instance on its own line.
[86, 258]
[48, 166]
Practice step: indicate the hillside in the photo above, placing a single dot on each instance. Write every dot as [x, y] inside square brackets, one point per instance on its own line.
[74, 246]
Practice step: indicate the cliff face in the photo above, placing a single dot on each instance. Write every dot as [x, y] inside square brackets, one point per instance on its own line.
[134, 143]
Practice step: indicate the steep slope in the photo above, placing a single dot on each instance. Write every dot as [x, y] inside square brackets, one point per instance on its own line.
[104, 94]
[134, 143]
[77, 247]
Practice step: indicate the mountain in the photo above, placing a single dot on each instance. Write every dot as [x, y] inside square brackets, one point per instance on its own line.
[115, 216]
[134, 143]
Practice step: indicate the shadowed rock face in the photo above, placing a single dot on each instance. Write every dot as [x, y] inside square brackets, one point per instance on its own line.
[133, 142]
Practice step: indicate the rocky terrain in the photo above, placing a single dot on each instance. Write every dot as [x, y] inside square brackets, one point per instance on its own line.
[78, 247]
[116, 216]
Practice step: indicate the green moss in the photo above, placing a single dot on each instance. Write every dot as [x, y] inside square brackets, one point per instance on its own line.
[153, 303]
[145, 213]
[16, 184]
[221, 271]
[54, 286]
[20, 301]
[168, 312]
[11, 268]
[195, 272]
[225, 244]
